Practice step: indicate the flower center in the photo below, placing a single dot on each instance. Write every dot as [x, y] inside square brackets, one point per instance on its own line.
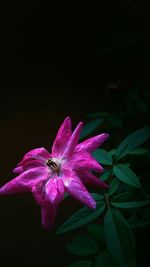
[53, 164]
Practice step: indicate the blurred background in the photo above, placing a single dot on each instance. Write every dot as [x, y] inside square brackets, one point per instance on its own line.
[60, 59]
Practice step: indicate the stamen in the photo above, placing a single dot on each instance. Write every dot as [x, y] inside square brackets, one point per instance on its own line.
[53, 165]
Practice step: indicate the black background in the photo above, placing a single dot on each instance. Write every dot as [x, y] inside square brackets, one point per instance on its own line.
[56, 60]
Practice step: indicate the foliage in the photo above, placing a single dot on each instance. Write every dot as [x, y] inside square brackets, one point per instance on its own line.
[109, 238]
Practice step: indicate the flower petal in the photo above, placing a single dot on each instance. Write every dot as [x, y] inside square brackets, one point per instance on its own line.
[84, 161]
[25, 181]
[37, 153]
[48, 209]
[90, 179]
[54, 190]
[76, 189]
[28, 164]
[18, 170]
[73, 141]
[62, 137]
[92, 143]
[39, 192]
[48, 212]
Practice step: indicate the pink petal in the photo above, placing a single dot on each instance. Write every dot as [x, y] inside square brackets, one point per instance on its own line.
[54, 189]
[62, 138]
[76, 189]
[92, 143]
[90, 179]
[84, 161]
[73, 141]
[18, 170]
[48, 212]
[28, 164]
[37, 153]
[38, 191]
[24, 181]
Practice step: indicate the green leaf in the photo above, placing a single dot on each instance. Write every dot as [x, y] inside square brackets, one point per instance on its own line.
[104, 259]
[112, 152]
[132, 141]
[96, 231]
[82, 217]
[105, 175]
[83, 245]
[126, 175]
[102, 156]
[91, 127]
[119, 239]
[81, 264]
[123, 197]
[130, 204]
[127, 164]
[139, 151]
[113, 186]
[97, 197]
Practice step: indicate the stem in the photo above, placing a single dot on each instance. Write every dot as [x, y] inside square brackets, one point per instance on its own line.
[107, 201]
[110, 175]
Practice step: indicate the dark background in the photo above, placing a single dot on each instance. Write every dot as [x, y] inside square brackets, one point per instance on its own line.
[57, 59]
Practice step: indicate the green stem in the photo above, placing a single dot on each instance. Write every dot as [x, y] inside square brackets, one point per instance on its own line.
[107, 201]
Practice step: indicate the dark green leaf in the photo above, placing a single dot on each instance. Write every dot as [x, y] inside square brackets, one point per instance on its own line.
[97, 197]
[139, 151]
[102, 156]
[82, 217]
[123, 197]
[81, 264]
[112, 152]
[91, 127]
[119, 239]
[127, 164]
[130, 204]
[96, 231]
[104, 259]
[105, 175]
[126, 175]
[113, 186]
[83, 245]
[132, 141]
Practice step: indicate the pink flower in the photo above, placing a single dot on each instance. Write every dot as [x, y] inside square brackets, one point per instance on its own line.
[67, 169]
